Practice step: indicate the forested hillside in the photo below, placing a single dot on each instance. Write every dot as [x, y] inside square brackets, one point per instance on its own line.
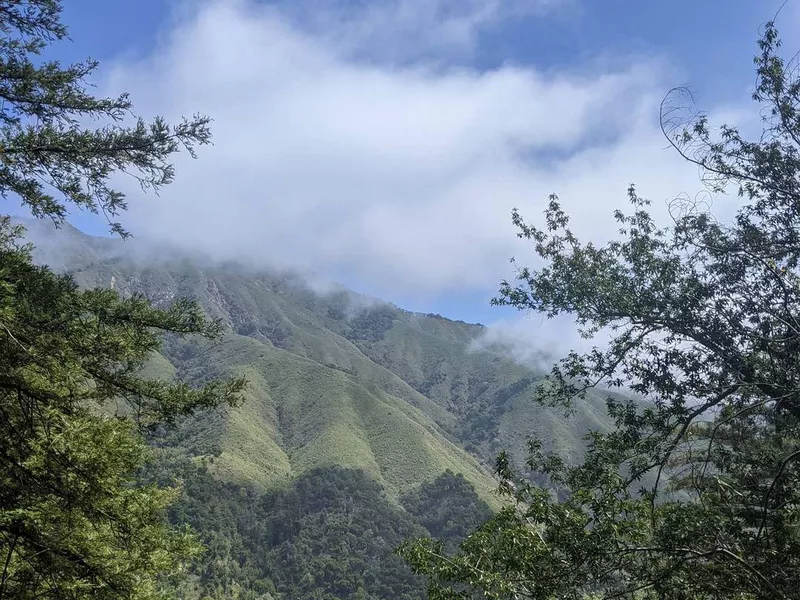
[296, 345]
[330, 534]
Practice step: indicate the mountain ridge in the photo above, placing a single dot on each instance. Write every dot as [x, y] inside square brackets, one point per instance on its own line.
[336, 377]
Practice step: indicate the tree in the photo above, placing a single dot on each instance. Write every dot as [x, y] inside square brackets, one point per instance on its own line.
[694, 493]
[74, 523]
[47, 158]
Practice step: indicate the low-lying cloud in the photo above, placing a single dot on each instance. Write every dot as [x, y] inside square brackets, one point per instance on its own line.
[535, 341]
[397, 174]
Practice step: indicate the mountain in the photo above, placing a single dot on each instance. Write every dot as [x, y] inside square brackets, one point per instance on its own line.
[382, 407]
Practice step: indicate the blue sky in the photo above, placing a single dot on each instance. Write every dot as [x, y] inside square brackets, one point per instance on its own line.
[693, 33]
[475, 86]
[712, 42]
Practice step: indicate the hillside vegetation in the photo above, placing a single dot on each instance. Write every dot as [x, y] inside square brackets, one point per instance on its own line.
[335, 378]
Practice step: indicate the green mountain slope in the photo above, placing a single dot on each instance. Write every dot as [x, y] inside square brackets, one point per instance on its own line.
[336, 378]
[300, 415]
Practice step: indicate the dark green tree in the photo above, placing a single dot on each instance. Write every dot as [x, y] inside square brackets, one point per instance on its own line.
[448, 507]
[73, 521]
[695, 493]
[48, 159]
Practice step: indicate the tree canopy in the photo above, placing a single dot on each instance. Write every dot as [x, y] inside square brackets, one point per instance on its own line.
[73, 521]
[49, 159]
[695, 493]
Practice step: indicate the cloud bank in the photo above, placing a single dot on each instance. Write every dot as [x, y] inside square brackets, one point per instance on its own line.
[350, 145]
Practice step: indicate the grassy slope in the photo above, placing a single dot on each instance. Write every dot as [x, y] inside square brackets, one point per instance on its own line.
[300, 415]
[491, 395]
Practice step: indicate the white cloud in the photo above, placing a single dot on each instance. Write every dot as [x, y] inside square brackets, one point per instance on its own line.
[400, 176]
[533, 340]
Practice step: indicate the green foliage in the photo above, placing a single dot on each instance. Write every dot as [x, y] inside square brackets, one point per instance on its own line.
[301, 415]
[704, 322]
[70, 521]
[47, 158]
[448, 508]
[329, 535]
[372, 324]
[322, 398]
[73, 521]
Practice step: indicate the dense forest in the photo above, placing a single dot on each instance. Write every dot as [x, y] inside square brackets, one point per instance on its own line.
[332, 534]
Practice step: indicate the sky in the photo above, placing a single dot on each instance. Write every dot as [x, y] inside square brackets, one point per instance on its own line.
[382, 144]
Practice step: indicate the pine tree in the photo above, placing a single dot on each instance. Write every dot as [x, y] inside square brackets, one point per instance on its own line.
[74, 523]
